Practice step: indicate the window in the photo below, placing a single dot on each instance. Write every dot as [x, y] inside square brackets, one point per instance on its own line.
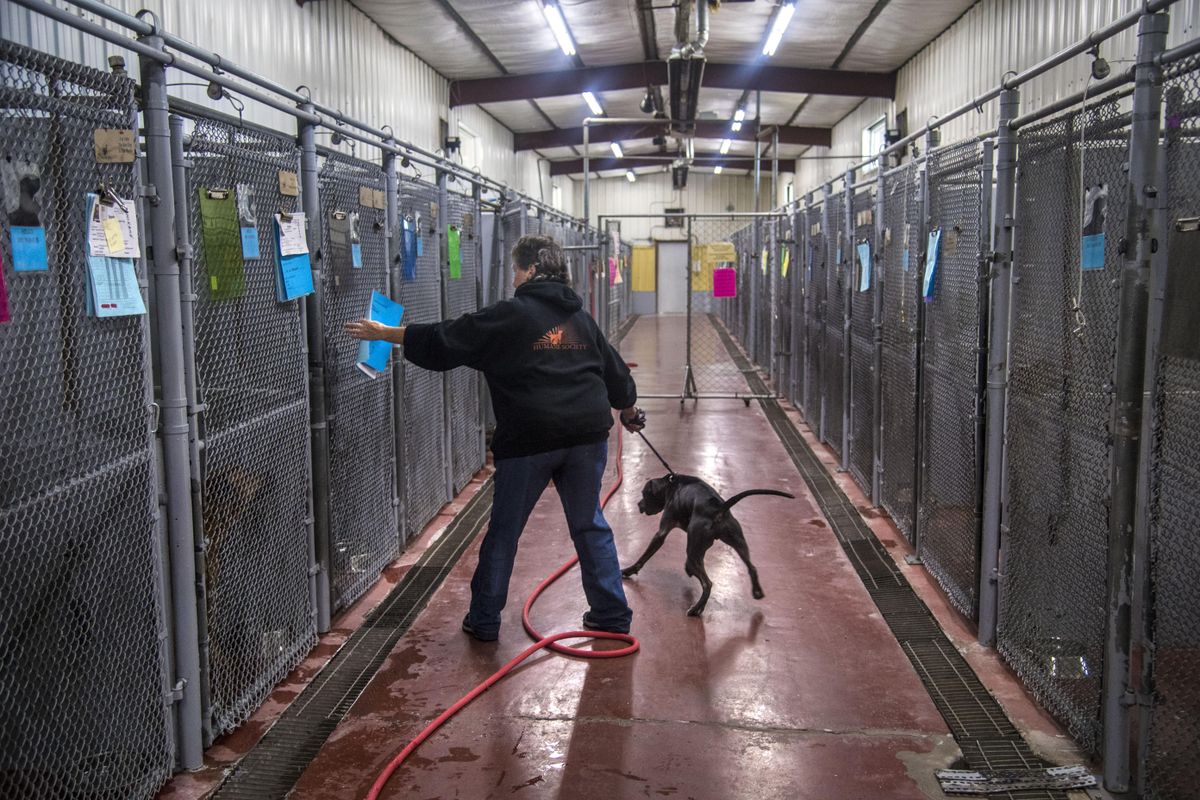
[873, 139]
[789, 193]
[556, 195]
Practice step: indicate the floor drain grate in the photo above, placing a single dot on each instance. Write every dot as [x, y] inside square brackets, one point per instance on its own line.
[276, 763]
[986, 736]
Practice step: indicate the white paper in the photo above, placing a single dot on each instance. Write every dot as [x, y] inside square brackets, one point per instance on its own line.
[126, 219]
[292, 239]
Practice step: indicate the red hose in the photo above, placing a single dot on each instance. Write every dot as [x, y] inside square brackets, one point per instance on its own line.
[541, 641]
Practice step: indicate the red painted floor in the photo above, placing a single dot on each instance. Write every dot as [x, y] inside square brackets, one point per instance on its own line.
[803, 694]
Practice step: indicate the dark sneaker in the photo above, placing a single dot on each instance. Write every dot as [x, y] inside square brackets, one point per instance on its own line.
[592, 626]
[479, 635]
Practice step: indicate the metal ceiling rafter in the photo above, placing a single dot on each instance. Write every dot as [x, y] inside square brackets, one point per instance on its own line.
[633, 76]
[706, 159]
[705, 129]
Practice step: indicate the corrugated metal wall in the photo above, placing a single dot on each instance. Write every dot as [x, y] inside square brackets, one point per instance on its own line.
[330, 46]
[995, 36]
[650, 194]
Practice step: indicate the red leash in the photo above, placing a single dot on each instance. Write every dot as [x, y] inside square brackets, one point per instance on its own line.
[550, 642]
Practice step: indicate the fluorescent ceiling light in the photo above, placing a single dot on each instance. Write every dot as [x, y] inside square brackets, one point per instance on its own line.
[781, 22]
[558, 26]
[717, 169]
[593, 104]
[736, 126]
[725, 144]
[629, 176]
[616, 148]
[739, 115]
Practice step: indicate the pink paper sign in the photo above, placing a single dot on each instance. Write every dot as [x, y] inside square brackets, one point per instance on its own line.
[724, 282]
[612, 271]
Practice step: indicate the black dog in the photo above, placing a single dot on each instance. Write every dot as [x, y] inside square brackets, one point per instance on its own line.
[691, 504]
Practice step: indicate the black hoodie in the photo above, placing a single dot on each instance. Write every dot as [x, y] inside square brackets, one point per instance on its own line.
[553, 376]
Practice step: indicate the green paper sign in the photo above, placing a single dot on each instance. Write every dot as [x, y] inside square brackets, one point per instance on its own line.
[452, 238]
[222, 237]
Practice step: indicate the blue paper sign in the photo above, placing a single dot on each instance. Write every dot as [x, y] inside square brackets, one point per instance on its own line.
[373, 356]
[356, 255]
[932, 251]
[250, 242]
[29, 249]
[839, 255]
[864, 260]
[420, 246]
[904, 260]
[409, 253]
[113, 289]
[1093, 251]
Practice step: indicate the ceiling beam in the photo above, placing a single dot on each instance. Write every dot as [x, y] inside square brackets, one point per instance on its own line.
[765, 77]
[575, 166]
[705, 129]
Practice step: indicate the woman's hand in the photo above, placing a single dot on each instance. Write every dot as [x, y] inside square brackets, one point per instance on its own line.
[374, 331]
[633, 418]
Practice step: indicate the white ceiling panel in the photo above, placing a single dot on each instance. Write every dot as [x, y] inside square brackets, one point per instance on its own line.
[516, 115]
[424, 28]
[516, 33]
[605, 32]
[819, 31]
[824, 111]
[901, 30]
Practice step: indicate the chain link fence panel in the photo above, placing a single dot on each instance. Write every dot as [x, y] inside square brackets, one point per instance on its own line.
[784, 306]
[1172, 771]
[815, 283]
[862, 341]
[462, 384]
[899, 266]
[834, 318]
[1060, 399]
[424, 391]
[364, 534]
[953, 374]
[84, 694]
[251, 375]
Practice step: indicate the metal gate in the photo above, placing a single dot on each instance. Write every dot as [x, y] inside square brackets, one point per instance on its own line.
[861, 457]
[462, 384]
[424, 391]
[833, 364]
[86, 708]
[364, 533]
[250, 371]
[1060, 397]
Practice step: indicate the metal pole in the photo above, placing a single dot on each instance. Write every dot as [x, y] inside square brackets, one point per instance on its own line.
[175, 429]
[443, 220]
[919, 448]
[982, 259]
[587, 173]
[395, 255]
[880, 275]
[687, 376]
[847, 318]
[314, 305]
[823, 362]
[183, 249]
[772, 327]
[1127, 399]
[1000, 280]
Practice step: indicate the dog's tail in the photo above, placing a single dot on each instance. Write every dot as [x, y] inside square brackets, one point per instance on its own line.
[731, 502]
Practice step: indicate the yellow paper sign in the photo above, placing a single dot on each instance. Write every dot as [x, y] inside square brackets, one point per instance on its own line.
[763, 262]
[786, 260]
[112, 235]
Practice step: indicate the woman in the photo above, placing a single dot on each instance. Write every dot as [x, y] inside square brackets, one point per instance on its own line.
[554, 379]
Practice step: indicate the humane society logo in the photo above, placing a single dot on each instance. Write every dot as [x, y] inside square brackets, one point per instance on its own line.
[560, 337]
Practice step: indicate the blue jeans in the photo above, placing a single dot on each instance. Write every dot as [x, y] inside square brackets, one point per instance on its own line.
[577, 473]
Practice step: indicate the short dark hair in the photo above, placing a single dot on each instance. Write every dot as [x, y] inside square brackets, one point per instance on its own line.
[545, 254]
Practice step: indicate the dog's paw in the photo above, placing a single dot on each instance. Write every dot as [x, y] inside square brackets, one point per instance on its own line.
[758, 593]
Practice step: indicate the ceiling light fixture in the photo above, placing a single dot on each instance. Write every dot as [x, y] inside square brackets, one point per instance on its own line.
[616, 148]
[593, 104]
[782, 18]
[739, 115]
[736, 126]
[558, 26]
[725, 145]
[629, 176]
[717, 169]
